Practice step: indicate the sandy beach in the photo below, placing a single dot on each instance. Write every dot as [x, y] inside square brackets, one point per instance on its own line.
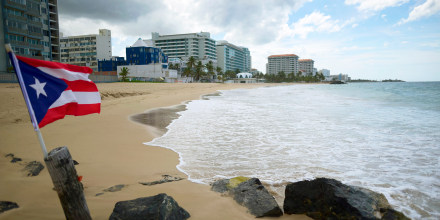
[110, 151]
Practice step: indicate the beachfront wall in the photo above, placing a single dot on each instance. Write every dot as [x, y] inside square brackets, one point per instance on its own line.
[144, 71]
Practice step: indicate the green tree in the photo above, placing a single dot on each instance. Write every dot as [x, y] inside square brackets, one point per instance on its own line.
[199, 71]
[229, 74]
[210, 69]
[124, 73]
[189, 66]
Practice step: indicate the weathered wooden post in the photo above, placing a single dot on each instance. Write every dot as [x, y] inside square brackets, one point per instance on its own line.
[70, 191]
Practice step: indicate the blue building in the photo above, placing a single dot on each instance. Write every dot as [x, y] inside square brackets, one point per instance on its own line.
[111, 64]
[138, 54]
[142, 54]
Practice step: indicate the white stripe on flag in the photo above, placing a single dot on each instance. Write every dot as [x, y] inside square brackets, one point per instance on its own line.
[80, 97]
[65, 74]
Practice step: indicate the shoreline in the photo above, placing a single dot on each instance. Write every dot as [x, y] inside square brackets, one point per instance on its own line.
[110, 151]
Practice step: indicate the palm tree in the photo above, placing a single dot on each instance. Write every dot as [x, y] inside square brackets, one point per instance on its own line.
[124, 72]
[219, 72]
[189, 66]
[210, 68]
[198, 70]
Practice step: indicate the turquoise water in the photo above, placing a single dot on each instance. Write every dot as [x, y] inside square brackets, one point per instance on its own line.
[381, 136]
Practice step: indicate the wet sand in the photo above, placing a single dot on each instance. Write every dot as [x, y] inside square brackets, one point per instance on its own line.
[110, 151]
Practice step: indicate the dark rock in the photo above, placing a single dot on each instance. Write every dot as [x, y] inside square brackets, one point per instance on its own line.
[13, 158]
[324, 198]
[33, 168]
[220, 186]
[165, 179]
[6, 205]
[99, 194]
[254, 196]
[251, 194]
[115, 188]
[16, 159]
[158, 207]
[391, 214]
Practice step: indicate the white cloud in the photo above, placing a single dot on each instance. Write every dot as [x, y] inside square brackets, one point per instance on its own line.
[375, 5]
[427, 9]
[315, 22]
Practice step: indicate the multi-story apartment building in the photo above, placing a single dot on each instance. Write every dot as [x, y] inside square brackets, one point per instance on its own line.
[232, 57]
[31, 28]
[86, 50]
[288, 63]
[182, 46]
[306, 66]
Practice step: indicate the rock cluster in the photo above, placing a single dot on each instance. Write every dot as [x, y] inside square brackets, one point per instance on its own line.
[160, 207]
[321, 198]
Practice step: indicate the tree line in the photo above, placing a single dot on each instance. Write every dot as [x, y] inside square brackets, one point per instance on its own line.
[198, 71]
[291, 77]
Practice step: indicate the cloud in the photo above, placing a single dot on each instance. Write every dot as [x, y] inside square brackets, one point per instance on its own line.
[107, 10]
[427, 9]
[375, 5]
[315, 22]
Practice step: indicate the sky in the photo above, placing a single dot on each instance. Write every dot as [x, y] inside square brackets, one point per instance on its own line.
[366, 39]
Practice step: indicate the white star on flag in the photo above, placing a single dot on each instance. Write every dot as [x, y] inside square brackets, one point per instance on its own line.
[39, 87]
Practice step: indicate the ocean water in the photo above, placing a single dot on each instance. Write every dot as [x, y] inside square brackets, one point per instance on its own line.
[381, 136]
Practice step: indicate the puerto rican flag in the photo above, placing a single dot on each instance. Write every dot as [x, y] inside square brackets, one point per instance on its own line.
[56, 89]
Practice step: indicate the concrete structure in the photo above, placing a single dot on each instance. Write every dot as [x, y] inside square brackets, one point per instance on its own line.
[198, 45]
[86, 50]
[288, 63]
[232, 57]
[306, 66]
[32, 29]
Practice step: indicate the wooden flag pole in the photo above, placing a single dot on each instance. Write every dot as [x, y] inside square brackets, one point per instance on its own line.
[64, 177]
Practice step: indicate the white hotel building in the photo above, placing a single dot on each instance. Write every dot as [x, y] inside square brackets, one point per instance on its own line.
[182, 46]
[288, 63]
[85, 50]
[306, 66]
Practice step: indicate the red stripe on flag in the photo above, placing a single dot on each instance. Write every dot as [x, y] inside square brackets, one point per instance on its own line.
[72, 108]
[81, 86]
[55, 65]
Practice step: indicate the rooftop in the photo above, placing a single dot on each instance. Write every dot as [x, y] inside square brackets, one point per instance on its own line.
[283, 55]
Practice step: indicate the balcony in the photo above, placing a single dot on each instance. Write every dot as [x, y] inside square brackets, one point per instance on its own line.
[37, 35]
[16, 17]
[36, 46]
[16, 5]
[17, 30]
[20, 43]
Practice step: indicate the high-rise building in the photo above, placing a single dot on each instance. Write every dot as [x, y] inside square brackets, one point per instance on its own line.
[32, 29]
[247, 59]
[232, 57]
[182, 46]
[306, 66]
[288, 63]
[86, 50]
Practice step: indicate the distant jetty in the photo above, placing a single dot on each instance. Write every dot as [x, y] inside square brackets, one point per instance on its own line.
[392, 80]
